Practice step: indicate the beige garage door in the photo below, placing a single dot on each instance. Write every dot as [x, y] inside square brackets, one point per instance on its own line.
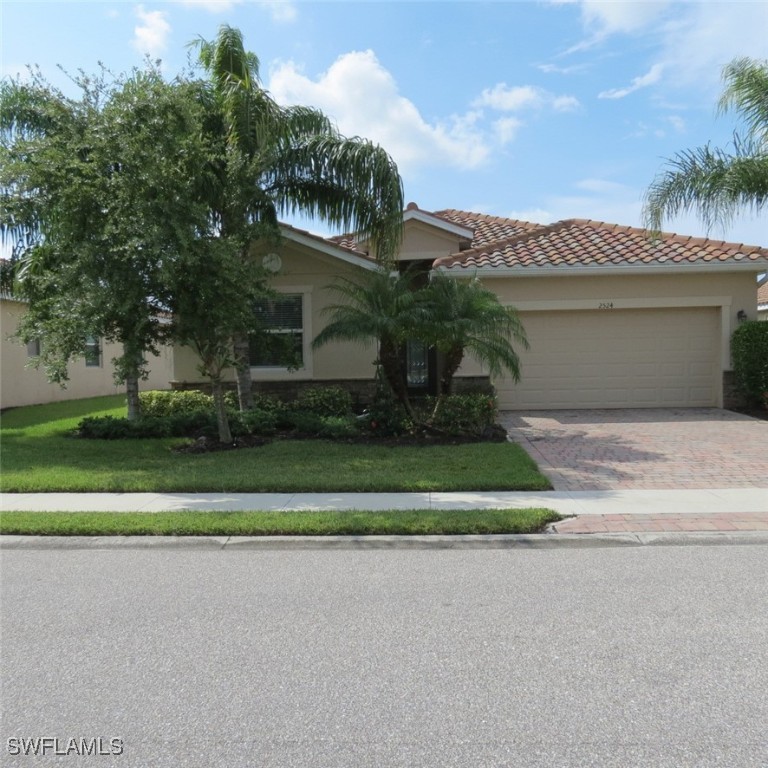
[617, 359]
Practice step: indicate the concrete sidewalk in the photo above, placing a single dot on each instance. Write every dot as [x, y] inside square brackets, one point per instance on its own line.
[624, 502]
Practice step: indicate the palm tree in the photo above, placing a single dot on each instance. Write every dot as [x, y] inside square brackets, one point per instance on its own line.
[713, 182]
[459, 316]
[285, 161]
[381, 308]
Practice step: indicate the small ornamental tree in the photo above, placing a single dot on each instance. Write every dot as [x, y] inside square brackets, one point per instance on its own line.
[380, 308]
[749, 351]
[463, 316]
[97, 201]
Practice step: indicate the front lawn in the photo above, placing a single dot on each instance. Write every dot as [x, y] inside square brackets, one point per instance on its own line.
[40, 455]
[416, 522]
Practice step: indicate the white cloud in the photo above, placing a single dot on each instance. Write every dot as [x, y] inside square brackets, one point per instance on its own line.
[533, 215]
[364, 100]
[506, 129]
[151, 34]
[649, 78]
[506, 98]
[212, 6]
[705, 36]
[565, 104]
[677, 123]
[608, 18]
[282, 11]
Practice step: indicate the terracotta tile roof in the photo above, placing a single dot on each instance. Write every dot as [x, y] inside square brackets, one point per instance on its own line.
[345, 241]
[487, 229]
[584, 243]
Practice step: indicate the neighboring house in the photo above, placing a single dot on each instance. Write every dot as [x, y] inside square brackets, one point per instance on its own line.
[91, 376]
[613, 318]
[762, 298]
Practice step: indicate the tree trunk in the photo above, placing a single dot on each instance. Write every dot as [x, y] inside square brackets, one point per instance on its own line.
[451, 362]
[222, 420]
[132, 395]
[391, 364]
[241, 351]
[131, 369]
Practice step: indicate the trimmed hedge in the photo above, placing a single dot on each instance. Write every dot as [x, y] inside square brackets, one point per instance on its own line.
[749, 351]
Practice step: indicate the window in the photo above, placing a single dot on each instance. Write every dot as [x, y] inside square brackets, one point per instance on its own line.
[92, 352]
[282, 343]
[33, 348]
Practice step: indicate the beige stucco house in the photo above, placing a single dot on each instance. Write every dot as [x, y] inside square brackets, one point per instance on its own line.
[613, 319]
[91, 376]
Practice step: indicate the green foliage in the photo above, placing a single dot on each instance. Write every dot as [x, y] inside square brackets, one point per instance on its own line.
[459, 316]
[749, 350]
[469, 414]
[324, 401]
[97, 202]
[268, 403]
[329, 427]
[175, 425]
[169, 402]
[258, 422]
[717, 183]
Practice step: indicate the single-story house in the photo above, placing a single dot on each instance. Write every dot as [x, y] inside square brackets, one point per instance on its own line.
[90, 376]
[614, 319]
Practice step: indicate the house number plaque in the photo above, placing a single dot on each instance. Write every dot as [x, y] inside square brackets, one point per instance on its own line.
[605, 305]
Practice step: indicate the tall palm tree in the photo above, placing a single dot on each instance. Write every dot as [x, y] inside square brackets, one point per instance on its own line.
[460, 317]
[285, 161]
[713, 182]
[381, 308]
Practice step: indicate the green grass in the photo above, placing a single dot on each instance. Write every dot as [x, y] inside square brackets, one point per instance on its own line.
[353, 523]
[40, 455]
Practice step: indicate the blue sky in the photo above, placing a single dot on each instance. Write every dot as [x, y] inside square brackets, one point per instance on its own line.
[534, 110]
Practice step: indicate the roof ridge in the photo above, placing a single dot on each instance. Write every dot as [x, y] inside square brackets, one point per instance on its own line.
[443, 214]
[538, 230]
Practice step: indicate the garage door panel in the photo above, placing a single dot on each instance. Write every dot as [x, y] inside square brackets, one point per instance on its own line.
[621, 358]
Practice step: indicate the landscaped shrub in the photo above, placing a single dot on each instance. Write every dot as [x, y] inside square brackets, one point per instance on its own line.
[468, 414]
[268, 403]
[329, 427]
[258, 422]
[324, 401]
[175, 425]
[169, 402]
[749, 351]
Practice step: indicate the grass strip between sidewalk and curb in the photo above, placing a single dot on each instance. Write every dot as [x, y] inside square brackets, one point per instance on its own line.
[416, 522]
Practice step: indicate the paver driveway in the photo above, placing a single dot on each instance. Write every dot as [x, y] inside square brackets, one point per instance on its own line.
[644, 448]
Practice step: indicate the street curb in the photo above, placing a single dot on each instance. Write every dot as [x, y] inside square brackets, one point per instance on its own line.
[501, 541]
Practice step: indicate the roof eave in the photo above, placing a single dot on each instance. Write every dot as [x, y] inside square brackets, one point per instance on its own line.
[629, 269]
[329, 249]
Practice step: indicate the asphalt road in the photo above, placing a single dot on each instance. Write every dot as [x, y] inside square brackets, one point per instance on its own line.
[588, 657]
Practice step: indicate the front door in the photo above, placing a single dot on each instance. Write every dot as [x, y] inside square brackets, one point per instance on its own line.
[420, 368]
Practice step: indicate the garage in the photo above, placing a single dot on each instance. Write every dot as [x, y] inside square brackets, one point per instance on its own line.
[617, 358]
